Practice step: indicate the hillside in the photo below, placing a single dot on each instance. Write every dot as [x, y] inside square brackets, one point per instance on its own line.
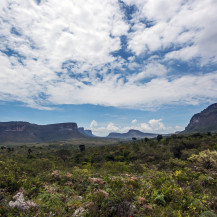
[27, 132]
[130, 134]
[205, 121]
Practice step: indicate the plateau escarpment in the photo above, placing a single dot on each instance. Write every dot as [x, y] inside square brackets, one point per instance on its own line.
[18, 131]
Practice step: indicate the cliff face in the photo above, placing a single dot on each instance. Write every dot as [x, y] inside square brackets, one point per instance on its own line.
[205, 121]
[86, 132]
[26, 132]
[89, 133]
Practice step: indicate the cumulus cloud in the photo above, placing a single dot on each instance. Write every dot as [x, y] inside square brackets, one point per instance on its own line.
[103, 130]
[157, 124]
[74, 52]
[174, 24]
[112, 127]
[152, 126]
[93, 124]
[134, 121]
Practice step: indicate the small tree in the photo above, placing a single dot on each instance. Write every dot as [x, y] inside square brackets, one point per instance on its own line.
[82, 147]
[9, 150]
[159, 137]
[29, 151]
[3, 147]
[134, 138]
[146, 139]
[177, 151]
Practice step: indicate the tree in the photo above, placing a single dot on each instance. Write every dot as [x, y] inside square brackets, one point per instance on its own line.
[159, 137]
[29, 151]
[9, 150]
[3, 147]
[146, 139]
[82, 147]
[134, 138]
[177, 150]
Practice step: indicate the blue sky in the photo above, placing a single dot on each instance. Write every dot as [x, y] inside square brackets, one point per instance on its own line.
[108, 65]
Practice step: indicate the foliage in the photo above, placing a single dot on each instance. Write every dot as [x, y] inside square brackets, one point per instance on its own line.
[206, 159]
[175, 176]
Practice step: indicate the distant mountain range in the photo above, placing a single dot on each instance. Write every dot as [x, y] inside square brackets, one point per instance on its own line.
[18, 131]
[27, 132]
[130, 134]
[205, 121]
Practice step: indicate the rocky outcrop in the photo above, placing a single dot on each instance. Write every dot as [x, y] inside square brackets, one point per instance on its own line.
[205, 121]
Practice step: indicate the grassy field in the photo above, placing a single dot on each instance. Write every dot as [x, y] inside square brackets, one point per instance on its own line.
[173, 176]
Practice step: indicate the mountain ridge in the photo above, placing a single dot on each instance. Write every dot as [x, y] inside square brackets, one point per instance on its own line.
[205, 121]
[130, 134]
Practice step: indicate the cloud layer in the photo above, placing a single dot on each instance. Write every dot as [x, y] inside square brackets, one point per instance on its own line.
[111, 53]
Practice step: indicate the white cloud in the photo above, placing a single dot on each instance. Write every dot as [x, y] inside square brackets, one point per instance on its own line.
[183, 54]
[50, 34]
[66, 30]
[111, 127]
[134, 121]
[82, 35]
[190, 24]
[157, 124]
[152, 69]
[102, 130]
[145, 127]
[93, 124]
[184, 90]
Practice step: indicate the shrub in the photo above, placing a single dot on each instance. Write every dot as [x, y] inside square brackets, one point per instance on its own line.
[207, 159]
[208, 214]
[159, 137]
[159, 200]
[176, 163]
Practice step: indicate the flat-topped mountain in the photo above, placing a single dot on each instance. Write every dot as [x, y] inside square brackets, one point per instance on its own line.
[205, 121]
[130, 134]
[26, 132]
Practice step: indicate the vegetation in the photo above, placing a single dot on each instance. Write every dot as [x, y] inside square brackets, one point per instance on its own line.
[168, 176]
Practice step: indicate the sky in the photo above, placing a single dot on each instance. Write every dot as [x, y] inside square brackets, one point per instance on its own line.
[110, 65]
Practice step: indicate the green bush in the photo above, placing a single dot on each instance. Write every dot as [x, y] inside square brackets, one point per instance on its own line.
[208, 214]
[159, 200]
[206, 159]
